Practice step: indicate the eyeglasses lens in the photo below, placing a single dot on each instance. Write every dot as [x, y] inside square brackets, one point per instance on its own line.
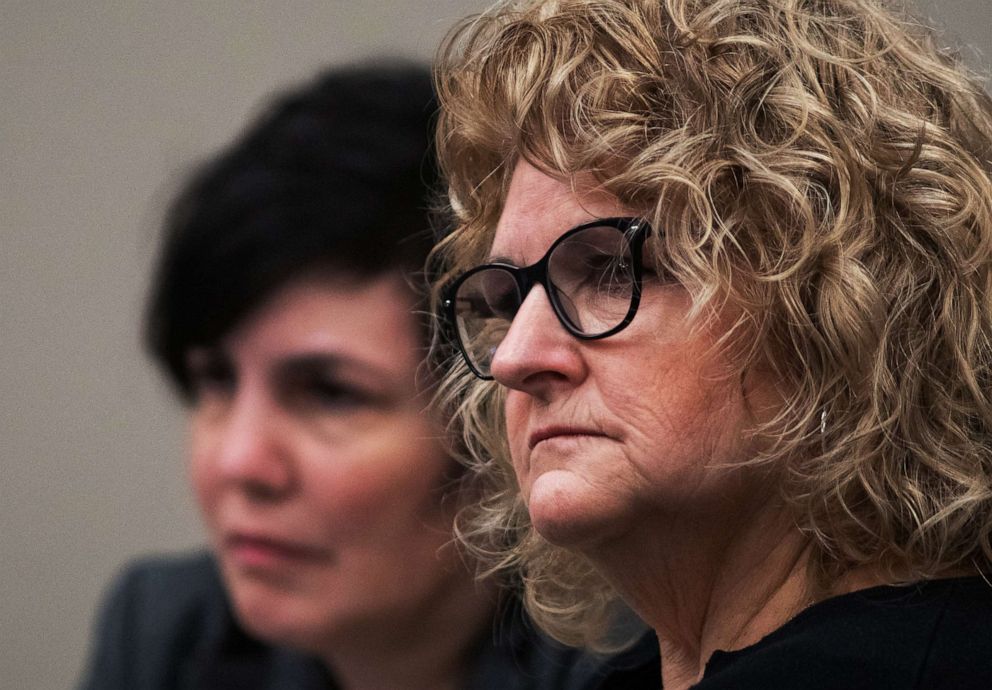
[592, 279]
[591, 285]
[485, 305]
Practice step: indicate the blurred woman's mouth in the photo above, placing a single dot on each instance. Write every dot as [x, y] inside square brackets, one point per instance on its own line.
[256, 551]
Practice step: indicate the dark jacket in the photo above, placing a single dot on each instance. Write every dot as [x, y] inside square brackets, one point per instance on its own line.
[933, 635]
[167, 625]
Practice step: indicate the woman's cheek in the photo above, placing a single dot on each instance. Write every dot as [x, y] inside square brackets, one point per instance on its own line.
[516, 434]
[204, 481]
[381, 494]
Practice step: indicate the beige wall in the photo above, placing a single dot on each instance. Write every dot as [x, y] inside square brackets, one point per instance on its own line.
[104, 106]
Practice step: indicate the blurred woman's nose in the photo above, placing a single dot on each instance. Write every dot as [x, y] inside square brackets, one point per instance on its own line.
[250, 446]
[537, 352]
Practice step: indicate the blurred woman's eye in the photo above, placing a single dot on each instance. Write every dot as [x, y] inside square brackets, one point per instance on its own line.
[326, 393]
[332, 393]
[211, 374]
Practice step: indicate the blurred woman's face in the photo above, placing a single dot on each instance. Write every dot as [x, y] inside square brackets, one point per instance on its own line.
[315, 467]
[605, 434]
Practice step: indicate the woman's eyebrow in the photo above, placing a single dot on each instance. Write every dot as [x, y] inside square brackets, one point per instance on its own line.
[322, 363]
[501, 259]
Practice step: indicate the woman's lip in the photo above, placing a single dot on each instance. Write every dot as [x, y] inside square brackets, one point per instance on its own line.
[546, 433]
[263, 551]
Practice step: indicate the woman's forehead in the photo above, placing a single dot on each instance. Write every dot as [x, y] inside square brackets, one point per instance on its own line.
[539, 208]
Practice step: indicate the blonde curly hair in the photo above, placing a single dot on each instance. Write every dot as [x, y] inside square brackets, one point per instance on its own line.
[822, 166]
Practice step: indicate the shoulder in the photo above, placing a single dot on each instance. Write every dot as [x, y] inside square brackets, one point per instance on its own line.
[518, 656]
[177, 596]
[960, 653]
[636, 668]
[931, 635]
[194, 574]
[158, 613]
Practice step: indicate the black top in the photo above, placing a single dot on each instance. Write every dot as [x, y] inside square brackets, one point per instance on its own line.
[934, 635]
[167, 625]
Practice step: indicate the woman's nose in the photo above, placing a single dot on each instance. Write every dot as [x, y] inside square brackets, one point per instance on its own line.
[252, 450]
[537, 352]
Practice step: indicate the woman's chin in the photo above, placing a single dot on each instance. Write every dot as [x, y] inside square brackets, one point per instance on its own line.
[280, 615]
[567, 512]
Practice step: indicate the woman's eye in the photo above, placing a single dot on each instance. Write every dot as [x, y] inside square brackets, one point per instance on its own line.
[600, 263]
[212, 378]
[608, 272]
[504, 305]
[332, 395]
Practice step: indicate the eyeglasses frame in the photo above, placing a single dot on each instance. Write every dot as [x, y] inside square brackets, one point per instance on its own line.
[526, 277]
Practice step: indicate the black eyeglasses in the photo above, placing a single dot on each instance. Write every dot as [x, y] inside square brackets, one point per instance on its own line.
[591, 274]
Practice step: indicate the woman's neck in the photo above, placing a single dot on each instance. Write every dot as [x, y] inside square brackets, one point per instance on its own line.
[707, 586]
[429, 649]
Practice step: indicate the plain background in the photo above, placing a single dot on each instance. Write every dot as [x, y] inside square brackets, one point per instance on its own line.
[104, 107]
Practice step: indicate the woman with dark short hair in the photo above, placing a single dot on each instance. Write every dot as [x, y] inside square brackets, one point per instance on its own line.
[284, 311]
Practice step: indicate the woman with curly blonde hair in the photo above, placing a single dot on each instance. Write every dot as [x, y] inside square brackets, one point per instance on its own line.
[721, 295]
